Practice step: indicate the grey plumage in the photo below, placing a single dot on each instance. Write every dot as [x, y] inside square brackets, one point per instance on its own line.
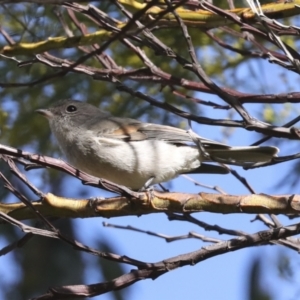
[130, 152]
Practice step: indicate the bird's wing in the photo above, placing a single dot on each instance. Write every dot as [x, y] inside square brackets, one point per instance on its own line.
[133, 130]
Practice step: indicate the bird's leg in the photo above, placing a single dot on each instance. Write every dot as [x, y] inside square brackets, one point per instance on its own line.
[163, 188]
[146, 186]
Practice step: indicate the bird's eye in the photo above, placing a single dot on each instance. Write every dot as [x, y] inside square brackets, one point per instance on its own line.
[71, 108]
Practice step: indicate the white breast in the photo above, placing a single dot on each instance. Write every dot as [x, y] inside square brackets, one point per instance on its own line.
[133, 164]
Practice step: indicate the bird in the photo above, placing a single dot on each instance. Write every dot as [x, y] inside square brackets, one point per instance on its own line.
[136, 154]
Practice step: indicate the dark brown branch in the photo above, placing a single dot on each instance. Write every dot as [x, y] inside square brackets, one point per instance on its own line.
[67, 168]
[157, 269]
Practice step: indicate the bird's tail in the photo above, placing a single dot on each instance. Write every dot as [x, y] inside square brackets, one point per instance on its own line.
[243, 155]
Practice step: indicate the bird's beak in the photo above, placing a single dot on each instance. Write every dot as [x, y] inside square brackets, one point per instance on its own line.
[45, 112]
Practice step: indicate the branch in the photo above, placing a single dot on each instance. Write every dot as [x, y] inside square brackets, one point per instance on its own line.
[129, 203]
[154, 202]
[194, 18]
[58, 164]
[155, 270]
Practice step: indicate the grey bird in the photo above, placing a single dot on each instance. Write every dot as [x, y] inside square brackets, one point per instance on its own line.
[136, 154]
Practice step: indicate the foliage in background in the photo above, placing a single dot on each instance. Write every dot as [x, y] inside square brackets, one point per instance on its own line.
[20, 96]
